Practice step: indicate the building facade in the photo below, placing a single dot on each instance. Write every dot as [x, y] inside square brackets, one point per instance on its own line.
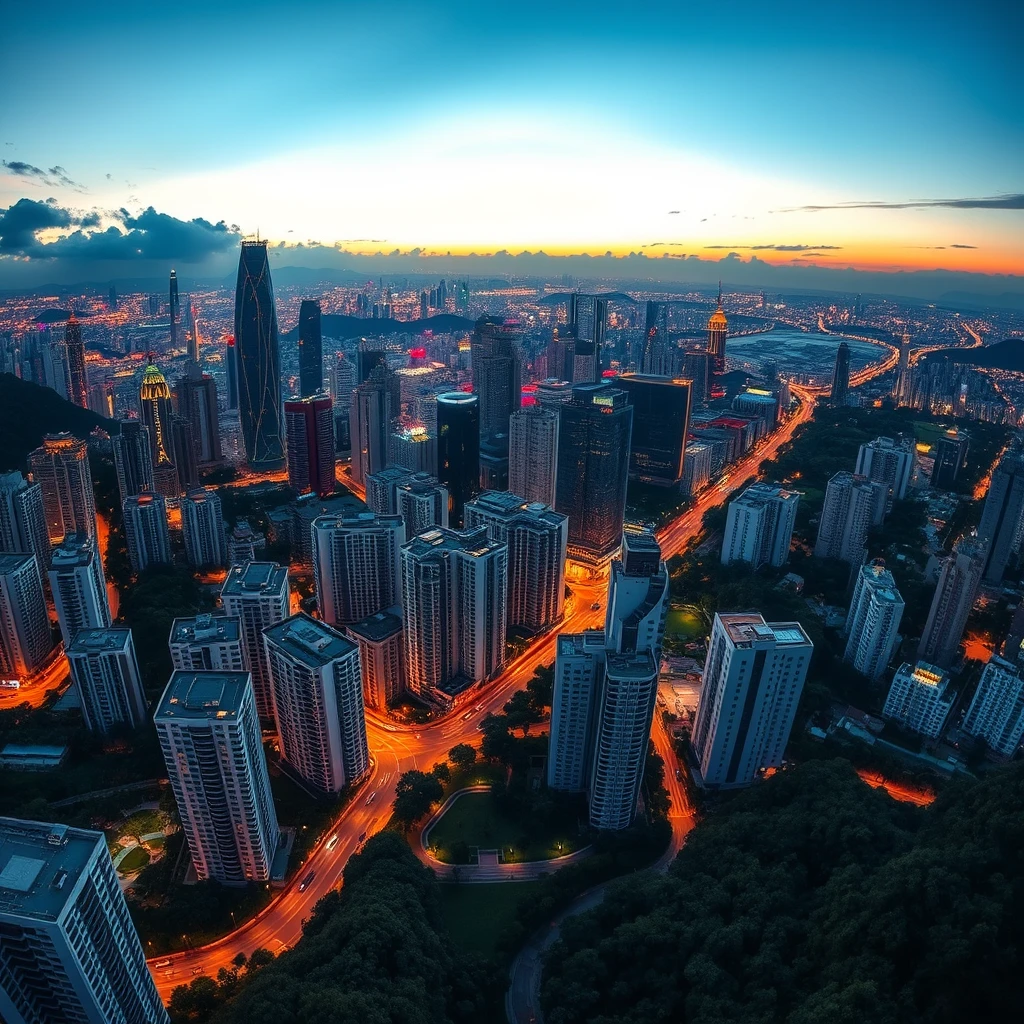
[381, 658]
[61, 467]
[919, 699]
[207, 643]
[145, 531]
[996, 712]
[23, 518]
[458, 450]
[133, 458]
[202, 527]
[310, 427]
[759, 525]
[846, 517]
[955, 593]
[24, 626]
[873, 622]
[106, 675]
[533, 453]
[661, 424]
[78, 586]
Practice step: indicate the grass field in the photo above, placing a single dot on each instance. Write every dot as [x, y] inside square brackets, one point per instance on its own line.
[928, 433]
[687, 622]
[476, 915]
[134, 860]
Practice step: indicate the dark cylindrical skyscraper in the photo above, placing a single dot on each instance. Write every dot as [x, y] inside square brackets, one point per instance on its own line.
[78, 382]
[311, 356]
[257, 360]
[841, 376]
[458, 450]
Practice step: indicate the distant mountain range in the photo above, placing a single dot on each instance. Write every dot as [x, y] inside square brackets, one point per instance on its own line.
[1003, 355]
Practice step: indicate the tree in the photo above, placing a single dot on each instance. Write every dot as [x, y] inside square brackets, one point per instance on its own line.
[441, 772]
[462, 755]
[415, 793]
[521, 712]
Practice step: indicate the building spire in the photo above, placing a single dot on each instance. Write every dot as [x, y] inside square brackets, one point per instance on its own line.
[719, 294]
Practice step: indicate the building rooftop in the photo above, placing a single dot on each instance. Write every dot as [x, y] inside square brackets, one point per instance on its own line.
[40, 864]
[256, 578]
[747, 628]
[588, 642]
[96, 641]
[392, 473]
[75, 549]
[761, 492]
[357, 520]
[439, 540]
[10, 561]
[198, 629]
[377, 627]
[925, 674]
[631, 665]
[309, 641]
[202, 695]
[511, 506]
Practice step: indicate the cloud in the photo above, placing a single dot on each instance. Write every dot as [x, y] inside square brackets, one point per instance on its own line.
[54, 177]
[960, 245]
[673, 211]
[776, 248]
[1007, 201]
[149, 235]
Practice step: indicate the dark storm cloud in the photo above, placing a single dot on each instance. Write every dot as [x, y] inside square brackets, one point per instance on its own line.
[1008, 201]
[19, 224]
[56, 175]
[776, 248]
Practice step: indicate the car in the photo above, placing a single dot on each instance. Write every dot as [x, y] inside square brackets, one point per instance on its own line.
[371, 798]
[307, 881]
[362, 836]
[332, 842]
[479, 707]
[198, 970]
[467, 716]
[163, 963]
[596, 606]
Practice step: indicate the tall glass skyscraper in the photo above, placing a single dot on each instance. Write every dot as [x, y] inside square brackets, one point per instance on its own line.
[458, 450]
[258, 363]
[661, 423]
[311, 355]
[78, 381]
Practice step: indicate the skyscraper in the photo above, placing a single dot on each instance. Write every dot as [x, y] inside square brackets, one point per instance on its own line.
[382, 489]
[374, 407]
[657, 355]
[184, 454]
[873, 621]
[661, 423]
[903, 388]
[210, 738]
[950, 458]
[145, 531]
[579, 665]
[919, 699]
[458, 450]
[453, 597]
[23, 518]
[202, 527]
[718, 331]
[891, 462]
[173, 308]
[24, 627]
[257, 359]
[497, 373]
[257, 594]
[155, 411]
[356, 565]
[588, 321]
[196, 394]
[61, 467]
[759, 525]
[318, 694]
[70, 951]
[231, 371]
[1001, 531]
[422, 503]
[106, 676]
[996, 712]
[78, 587]
[133, 458]
[309, 424]
[78, 379]
[955, 592]
[846, 517]
[840, 376]
[192, 341]
[207, 642]
[753, 678]
[311, 356]
[594, 431]
[533, 454]
[381, 658]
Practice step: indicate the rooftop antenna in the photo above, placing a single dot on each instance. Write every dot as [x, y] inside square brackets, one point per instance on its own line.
[719, 294]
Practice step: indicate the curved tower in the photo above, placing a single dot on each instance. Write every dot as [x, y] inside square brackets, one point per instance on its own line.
[718, 329]
[258, 364]
[78, 382]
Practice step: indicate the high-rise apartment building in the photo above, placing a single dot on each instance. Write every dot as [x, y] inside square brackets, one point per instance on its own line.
[919, 699]
[70, 951]
[759, 525]
[78, 586]
[61, 467]
[594, 431]
[957, 587]
[202, 527]
[890, 461]
[661, 423]
[24, 626]
[453, 596]
[996, 712]
[846, 517]
[381, 489]
[1001, 531]
[106, 676]
[133, 458]
[209, 733]
[753, 678]
[256, 593]
[311, 354]
[78, 377]
[373, 410]
[356, 565]
[318, 694]
[950, 458]
[145, 530]
[458, 450]
[422, 503]
[196, 394]
[207, 643]
[533, 453]
[381, 658]
[23, 517]
[257, 359]
[415, 448]
[536, 539]
[184, 453]
[840, 376]
[310, 427]
[873, 621]
[579, 666]
[497, 373]
[588, 324]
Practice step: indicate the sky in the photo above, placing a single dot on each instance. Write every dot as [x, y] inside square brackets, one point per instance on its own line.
[878, 136]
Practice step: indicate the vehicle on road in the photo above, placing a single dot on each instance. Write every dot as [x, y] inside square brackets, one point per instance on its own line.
[198, 970]
[332, 842]
[362, 836]
[467, 716]
[596, 606]
[371, 798]
[163, 963]
[307, 881]
[479, 707]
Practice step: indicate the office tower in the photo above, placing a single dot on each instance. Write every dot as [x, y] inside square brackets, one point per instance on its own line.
[891, 462]
[202, 527]
[145, 531]
[309, 424]
[209, 733]
[24, 627]
[753, 678]
[873, 621]
[78, 587]
[70, 951]
[656, 356]
[183, 453]
[370, 354]
[78, 380]
[846, 517]
[381, 658]
[453, 597]
[112, 299]
[56, 373]
[343, 381]
[594, 430]
[950, 458]
[697, 367]
[536, 539]
[840, 377]
[133, 458]
[589, 323]
[579, 666]
[192, 340]
[257, 594]
[996, 713]
[155, 411]
[381, 489]
[23, 518]
[173, 308]
[231, 371]
[207, 642]
[661, 423]
[106, 677]
[759, 525]
[955, 592]
[61, 466]
[373, 409]
[638, 592]
[257, 359]
[533, 454]
[356, 564]
[1001, 531]
[718, 331]
[422, 503]
[196, 394]
[560, 356]
[919, 699]
[311, 355]
[318, 693]
[497, 373]
[458, 450]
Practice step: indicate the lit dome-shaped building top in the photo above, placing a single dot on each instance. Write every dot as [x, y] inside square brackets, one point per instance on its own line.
[155, 411]
[154, 385]
[718, 330]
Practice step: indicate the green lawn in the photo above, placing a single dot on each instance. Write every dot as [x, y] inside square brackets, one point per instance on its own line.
[928, 433]
[133, 861]
[685, 621]
[477, 915]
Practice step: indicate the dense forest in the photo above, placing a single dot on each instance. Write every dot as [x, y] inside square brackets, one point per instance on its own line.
[813, 898]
